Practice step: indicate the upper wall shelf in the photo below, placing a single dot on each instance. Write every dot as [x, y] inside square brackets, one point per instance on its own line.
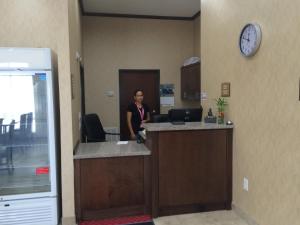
[191, 82]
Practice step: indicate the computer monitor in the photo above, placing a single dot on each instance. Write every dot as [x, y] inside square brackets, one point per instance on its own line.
[186, 115]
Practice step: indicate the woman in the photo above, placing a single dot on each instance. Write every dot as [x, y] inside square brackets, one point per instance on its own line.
[137, 114]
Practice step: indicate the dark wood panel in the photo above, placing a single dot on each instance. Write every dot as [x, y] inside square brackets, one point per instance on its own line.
[215, 166]
[112, 187]
[191, 82]
[77, 189]
[192, 167]
[191, 171]
[112, 182]
[147, 184]
[82, 99]
[181, 172]
[152, 144]
[136, 16]
[229, 168]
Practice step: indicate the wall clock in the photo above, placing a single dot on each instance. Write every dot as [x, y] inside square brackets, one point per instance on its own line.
[250, 39]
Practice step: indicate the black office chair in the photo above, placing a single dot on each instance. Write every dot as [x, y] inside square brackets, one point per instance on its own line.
[29, 123]
[93, 130]
[23, 136]
[28, 130]
[23, 123]
[6, 147]
[1, 127]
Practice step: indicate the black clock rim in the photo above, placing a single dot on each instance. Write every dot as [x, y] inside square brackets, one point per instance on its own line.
[240, 40]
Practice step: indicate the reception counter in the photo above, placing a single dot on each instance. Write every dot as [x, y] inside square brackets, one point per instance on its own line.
[112, 180]
[191, 167]
[180, 169]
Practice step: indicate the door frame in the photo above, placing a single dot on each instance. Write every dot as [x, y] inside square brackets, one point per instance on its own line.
[82, 95]
[142, 71]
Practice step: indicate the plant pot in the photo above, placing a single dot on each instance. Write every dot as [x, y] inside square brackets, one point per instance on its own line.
[221, 117]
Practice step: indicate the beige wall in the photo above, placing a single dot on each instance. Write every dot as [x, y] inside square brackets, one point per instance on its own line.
[43, 23]
[197, 35]
[264, 103]
[110, 44]
[75, 46]
[74, 19]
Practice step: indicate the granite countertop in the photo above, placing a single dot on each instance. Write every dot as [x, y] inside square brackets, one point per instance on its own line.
[186, 126]
[110, 149]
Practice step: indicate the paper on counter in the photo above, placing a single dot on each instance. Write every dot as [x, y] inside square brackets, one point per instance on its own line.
[122, 142]
[167, 101]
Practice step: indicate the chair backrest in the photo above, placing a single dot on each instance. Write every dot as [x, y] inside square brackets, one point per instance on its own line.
[23, 122]
[8, 133]
[12, 128]
[1, 127]
[160, 118]
[93, 129]
[29, 122]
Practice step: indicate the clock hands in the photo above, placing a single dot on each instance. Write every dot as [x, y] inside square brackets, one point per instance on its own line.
[246, 39]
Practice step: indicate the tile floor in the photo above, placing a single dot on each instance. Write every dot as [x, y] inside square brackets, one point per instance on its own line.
[209, 218]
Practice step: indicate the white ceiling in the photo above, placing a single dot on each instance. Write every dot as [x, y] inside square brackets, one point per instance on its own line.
[176, 8]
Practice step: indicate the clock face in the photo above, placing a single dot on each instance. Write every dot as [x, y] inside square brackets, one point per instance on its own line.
[250, 39]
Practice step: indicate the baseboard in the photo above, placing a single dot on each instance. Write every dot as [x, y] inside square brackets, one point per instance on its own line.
[68, 221]
[244, 215]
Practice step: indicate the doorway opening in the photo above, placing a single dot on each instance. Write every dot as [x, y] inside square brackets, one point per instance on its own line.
[130, 80]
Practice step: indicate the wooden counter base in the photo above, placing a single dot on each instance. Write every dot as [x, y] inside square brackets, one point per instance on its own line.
[191, 170]
[188, 171]
[112, 187]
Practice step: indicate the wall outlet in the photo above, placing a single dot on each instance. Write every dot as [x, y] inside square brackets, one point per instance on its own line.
[109, 93]
[203, 96]
[246, 184]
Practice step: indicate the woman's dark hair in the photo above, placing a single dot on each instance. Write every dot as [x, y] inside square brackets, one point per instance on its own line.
[136, 91]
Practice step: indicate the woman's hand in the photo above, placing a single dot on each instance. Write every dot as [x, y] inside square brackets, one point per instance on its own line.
[132, 136]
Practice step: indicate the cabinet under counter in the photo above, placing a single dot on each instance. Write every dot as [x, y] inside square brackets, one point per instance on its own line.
[112, 180]
[191, 167]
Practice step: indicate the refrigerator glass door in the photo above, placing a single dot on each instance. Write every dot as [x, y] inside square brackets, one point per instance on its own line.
[24, 133]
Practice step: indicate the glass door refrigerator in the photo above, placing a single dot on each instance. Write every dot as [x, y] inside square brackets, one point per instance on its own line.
[28, 142]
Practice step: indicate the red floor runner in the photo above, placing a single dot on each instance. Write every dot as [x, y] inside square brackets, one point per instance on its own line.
[119, 221]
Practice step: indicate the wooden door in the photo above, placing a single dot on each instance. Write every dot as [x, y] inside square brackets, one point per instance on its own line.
[130, 80]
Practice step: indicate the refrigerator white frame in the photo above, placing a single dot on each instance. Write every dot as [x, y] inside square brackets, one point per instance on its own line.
[52, 145]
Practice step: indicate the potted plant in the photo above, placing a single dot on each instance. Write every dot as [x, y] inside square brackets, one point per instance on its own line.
[221, 105]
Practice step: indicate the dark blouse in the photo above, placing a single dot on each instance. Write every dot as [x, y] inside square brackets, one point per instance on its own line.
[136, 119]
